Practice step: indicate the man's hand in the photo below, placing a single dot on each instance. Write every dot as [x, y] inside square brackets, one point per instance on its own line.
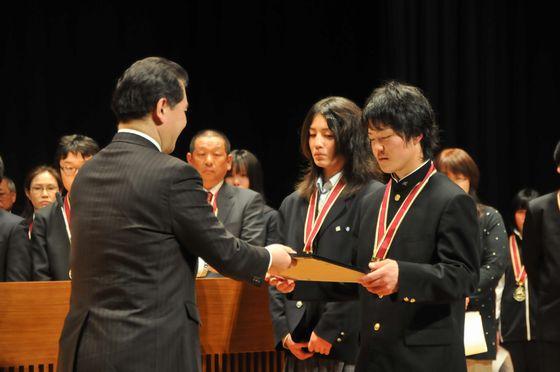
[319, 345]
[296, 348]
[281, 259]
[383, 279]
[283, 285]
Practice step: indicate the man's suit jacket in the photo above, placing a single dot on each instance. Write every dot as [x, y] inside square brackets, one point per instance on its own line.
[50, 244]
[541, 255]
[241, 212]
[140, 218]
[437, 248]
[15, 258]
[333, 321]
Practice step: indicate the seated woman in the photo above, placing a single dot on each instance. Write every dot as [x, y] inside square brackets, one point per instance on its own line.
[460, 167]
[41, 185]
[246, 172]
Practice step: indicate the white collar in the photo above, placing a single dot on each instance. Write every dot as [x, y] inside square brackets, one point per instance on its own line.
[333, 180]
[141, 134]
[214, 190]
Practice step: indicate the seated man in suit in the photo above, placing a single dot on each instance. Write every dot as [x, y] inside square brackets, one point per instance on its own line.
[50, 236]
[8, 194]
[15, 261]
[239, 210]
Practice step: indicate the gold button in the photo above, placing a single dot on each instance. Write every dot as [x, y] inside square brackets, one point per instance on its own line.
[376, 327]
[339, 340]
[412, 300]
[342, 333]
[70, 274]
[406, 299]
[299, 304]
[397, 197]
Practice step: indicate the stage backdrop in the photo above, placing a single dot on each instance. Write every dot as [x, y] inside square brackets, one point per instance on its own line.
[256, 66]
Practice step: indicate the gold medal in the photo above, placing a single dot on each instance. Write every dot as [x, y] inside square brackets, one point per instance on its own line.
[397, 197]
[519, 293]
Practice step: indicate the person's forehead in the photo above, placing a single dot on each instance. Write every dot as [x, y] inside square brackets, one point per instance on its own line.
[73, 157]
[43, 177]
[209, 142]
[380, 129]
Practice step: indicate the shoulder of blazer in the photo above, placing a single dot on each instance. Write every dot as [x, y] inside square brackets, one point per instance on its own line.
[544, 202]
[9, 218]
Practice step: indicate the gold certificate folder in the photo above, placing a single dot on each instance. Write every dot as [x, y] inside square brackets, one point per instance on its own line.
[320, 269]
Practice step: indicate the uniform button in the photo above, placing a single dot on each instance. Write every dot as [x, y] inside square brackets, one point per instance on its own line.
[339, 340]
[406, 299]
[70, 274]
[342, 333]
[412, 300]
[299, 304]
[376, 327]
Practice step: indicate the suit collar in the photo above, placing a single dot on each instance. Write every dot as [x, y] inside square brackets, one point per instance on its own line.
[225, 201]
[134, 139]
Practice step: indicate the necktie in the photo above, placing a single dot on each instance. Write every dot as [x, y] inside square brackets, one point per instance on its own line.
[324, 191]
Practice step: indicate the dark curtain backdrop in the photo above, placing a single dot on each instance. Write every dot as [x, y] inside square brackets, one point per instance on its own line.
[490, 69]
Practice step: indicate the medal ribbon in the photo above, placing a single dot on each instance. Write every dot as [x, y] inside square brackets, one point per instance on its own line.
[313, 223]
[518, 268]
[384, 235]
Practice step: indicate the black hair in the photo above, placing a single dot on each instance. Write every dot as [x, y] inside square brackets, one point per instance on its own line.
[144, 83]
[77, 144]
[522, 198]
[244, 161]
[407, 111]
[344, 120]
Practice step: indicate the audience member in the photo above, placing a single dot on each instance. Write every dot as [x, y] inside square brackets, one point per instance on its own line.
[51, 233]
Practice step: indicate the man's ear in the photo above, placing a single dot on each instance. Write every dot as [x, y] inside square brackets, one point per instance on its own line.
[229, 162]
[417, 139]
[189, 158]
[159, 111]
[558, 169]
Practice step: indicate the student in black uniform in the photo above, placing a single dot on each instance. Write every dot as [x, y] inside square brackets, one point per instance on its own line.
[426, 260]
[460, 167]
[541, 256]
[317, 218]
[246, 172]
[519, 304]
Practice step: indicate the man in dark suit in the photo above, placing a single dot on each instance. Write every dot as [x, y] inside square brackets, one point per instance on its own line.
[419, 239]
[541, 255]
[8, 193]
[50, 235]
[15, 259]
[239, 210]
[139, 220]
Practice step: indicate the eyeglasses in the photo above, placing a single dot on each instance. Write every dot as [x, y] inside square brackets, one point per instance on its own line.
[69, 171]
[39, 189]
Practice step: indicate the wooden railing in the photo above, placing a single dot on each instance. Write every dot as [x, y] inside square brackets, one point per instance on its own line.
[236, 332]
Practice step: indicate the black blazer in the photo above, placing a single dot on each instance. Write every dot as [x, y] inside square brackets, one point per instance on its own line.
[15, 258]
[437, 248]
[139, 220]
[513, 314]
[241, 212]
[541, 255]
[493, 263]
[333, 321]
[50, 244]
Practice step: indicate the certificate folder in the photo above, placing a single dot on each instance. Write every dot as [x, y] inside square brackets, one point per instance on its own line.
[314, 268]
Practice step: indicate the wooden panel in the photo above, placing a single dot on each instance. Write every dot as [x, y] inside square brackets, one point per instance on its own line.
[235, 321]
